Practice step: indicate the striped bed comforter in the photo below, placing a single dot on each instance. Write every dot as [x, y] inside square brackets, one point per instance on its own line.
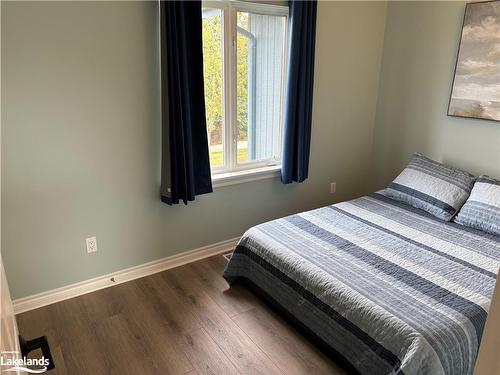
[389, 287]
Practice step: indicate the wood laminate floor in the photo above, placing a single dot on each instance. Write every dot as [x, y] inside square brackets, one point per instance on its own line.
[181, 321]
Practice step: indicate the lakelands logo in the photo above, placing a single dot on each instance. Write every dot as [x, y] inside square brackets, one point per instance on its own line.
[10, 362]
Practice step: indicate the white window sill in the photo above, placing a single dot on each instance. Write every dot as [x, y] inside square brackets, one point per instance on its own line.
[239, 177]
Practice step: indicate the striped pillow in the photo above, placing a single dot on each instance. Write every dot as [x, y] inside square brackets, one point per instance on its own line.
[482, 209]
[431, 186]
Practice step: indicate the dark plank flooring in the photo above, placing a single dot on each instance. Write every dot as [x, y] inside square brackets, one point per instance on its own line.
[182, 321]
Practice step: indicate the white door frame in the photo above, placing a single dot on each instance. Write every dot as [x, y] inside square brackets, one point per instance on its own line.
[9, 341]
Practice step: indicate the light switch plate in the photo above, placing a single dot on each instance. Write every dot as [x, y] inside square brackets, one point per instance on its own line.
[333, 187]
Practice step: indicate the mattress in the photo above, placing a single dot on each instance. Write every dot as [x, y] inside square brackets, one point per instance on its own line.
[390, 288]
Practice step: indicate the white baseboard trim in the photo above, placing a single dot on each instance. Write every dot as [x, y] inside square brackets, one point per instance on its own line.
[52, 296]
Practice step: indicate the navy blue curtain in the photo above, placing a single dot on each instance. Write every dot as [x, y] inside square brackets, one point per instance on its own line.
[185, 157]
[299, 94]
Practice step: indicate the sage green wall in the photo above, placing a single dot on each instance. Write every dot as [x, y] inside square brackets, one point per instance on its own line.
[81, 139]
[420, 49]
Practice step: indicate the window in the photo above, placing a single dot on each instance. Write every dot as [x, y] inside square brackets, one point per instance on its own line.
[244, 53]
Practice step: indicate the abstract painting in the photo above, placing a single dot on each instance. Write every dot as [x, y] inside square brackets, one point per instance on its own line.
[476, 86]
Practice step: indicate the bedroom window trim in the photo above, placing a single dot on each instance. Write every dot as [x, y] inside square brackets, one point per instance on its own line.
[249, 175]
[233, 172]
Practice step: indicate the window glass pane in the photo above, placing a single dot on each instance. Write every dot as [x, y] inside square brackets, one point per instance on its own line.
[259, 80]
[213, 77]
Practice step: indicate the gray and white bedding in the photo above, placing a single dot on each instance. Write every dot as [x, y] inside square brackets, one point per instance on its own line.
[391, 288]
[482, 208]
[431, 186]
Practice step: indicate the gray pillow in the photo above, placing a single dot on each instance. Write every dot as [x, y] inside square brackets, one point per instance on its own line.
[482, 209]
[431, 186]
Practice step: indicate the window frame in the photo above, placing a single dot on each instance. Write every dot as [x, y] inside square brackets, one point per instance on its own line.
[231, 169]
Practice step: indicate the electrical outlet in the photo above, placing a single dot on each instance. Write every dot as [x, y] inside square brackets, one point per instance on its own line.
[333, 187]
[91, 244]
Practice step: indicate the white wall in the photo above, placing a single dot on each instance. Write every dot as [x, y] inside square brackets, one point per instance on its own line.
[420, 50]
[81, 139]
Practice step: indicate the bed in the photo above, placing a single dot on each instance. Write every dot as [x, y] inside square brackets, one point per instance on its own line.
[389, 288]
